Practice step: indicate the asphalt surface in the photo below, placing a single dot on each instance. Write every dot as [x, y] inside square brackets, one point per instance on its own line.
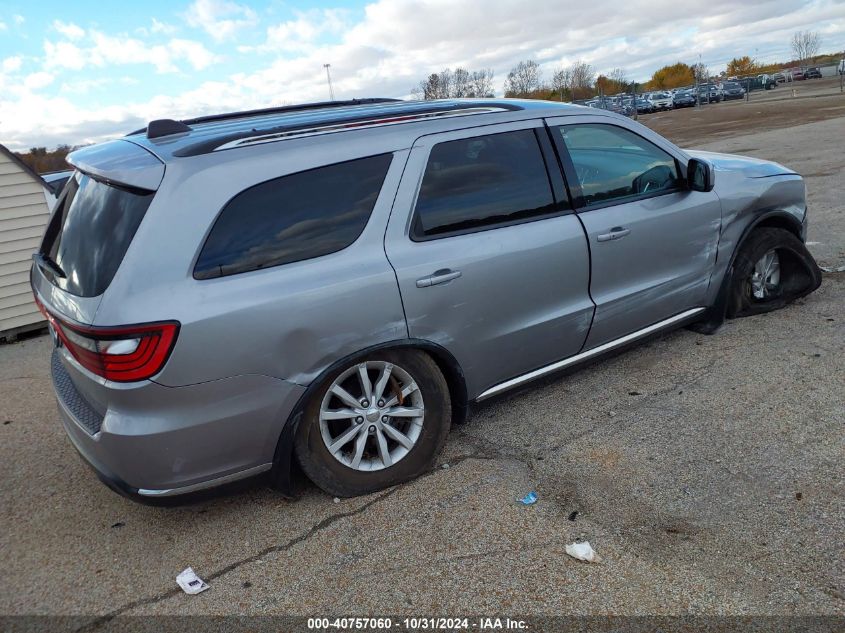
[706, 471]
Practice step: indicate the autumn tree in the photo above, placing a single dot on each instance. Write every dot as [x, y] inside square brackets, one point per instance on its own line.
[674, 76]
[449, 84]
[561, 82]
[612, 83]
[700, 73]
[583, 77]
[740, 66]
[524, 79]
[42, 161]
[805, 45]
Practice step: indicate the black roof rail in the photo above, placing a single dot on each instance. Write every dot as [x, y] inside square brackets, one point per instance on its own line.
[273, 110]
[419, 111]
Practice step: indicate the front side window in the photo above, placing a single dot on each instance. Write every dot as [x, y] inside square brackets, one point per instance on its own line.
[292, 218]
[482, 182]
[613, 163]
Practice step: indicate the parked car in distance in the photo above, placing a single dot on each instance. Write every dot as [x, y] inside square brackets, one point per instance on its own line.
[708, 94]
[813, 73]
[683, 99]
[56, 180]
[644, 106]
[732, 90]
[797, 74]
[780, 78]
[767, 82]
[339, 281]
[661, 100]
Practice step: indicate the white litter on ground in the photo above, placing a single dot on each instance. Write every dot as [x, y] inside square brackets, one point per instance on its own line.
[582, 551]
[190, 582]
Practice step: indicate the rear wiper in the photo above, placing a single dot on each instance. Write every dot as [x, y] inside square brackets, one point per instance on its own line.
[45, 263]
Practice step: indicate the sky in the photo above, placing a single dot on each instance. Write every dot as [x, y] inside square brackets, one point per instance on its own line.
[84, 71]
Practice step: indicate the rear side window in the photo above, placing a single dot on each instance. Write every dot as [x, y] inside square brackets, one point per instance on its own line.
[292, 218]
[90, 232]
[482, 182]
[613, 163]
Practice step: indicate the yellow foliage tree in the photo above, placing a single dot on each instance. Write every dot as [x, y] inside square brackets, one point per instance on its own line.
[673, 76]
[741, 66]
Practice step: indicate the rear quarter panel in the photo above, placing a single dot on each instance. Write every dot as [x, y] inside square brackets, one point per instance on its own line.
[288, 322]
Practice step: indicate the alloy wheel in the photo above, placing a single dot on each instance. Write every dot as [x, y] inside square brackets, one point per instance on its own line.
[371, 415]
[765, 278]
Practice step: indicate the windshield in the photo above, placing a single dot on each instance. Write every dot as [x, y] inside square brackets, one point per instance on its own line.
[90, 233]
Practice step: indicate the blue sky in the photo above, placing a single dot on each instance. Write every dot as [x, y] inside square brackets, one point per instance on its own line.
[78, 72]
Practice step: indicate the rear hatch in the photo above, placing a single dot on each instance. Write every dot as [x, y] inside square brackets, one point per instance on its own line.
[92, 226]
[89, 233]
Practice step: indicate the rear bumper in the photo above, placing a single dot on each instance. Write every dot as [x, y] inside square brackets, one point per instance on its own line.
[155, 441]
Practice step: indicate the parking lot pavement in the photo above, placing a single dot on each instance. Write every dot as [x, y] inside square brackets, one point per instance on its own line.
[705, 471]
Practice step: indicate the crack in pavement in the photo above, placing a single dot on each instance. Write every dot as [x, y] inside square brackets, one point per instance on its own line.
[319, 527]
[98, 622]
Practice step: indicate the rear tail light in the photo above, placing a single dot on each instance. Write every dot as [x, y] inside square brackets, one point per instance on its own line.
[121, 354]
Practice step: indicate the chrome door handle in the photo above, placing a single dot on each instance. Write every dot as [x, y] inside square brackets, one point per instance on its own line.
[442, 276]
[616, 233]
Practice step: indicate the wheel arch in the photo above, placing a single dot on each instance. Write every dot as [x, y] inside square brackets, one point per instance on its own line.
[446, 362]
[775, 218]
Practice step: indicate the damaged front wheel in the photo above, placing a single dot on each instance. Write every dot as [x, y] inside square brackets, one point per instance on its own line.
[772, 269]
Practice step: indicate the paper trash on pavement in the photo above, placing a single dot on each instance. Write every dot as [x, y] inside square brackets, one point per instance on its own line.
[582, 551]
[190, 582]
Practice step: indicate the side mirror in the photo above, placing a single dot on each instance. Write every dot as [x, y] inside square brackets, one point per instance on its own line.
[699, 175]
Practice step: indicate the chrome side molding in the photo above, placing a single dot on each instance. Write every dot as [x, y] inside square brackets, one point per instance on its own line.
[572, 360]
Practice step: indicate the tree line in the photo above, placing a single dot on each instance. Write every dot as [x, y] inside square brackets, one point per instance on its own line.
[42, 161]
[579, 80]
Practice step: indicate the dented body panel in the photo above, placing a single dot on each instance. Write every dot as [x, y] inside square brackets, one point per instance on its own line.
[251, 345]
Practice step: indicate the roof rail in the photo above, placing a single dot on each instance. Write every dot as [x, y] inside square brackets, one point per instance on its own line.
[273, 110]
[280, 132]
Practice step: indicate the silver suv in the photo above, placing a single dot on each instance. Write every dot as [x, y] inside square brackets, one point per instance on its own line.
[339, 281]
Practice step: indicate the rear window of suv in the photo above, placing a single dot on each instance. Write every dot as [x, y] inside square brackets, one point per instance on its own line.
[90, 231]
[293, 218]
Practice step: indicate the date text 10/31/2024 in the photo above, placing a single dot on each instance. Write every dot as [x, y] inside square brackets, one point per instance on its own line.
[417, 624]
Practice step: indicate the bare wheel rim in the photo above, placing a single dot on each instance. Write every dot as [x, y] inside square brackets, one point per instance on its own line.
[765, 278]
[371, 416]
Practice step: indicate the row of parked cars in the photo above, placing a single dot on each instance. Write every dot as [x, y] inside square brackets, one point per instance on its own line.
[689, 96]
[649, 102]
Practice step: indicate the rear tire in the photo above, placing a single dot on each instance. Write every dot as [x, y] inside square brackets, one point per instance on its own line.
[370, 449]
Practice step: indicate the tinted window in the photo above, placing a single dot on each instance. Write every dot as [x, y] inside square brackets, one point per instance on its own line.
[292, 218]
[481, 182]
[613, 163]
[90, 232]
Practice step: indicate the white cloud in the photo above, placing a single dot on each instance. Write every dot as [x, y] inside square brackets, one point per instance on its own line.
[301, 34]
[70, 30]
[221, 19]
[11, 64]
[109, 50]
[3, 26]
[64, 55]
[162, 27]
[394, 45]
[38, 80]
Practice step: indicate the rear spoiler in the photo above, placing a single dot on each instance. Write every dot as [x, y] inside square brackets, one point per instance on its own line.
[120, 162]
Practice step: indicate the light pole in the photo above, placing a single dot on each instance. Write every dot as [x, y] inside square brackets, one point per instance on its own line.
[329, 79]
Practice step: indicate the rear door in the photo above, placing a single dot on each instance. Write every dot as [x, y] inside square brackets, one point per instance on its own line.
[653, 242]
[491, 262]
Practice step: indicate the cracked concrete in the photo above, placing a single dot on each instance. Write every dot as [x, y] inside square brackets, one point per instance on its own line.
[682, 459]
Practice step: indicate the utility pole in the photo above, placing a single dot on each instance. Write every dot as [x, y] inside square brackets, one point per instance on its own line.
[329, 79]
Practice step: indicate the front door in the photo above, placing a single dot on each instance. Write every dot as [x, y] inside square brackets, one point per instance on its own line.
[653, 242]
